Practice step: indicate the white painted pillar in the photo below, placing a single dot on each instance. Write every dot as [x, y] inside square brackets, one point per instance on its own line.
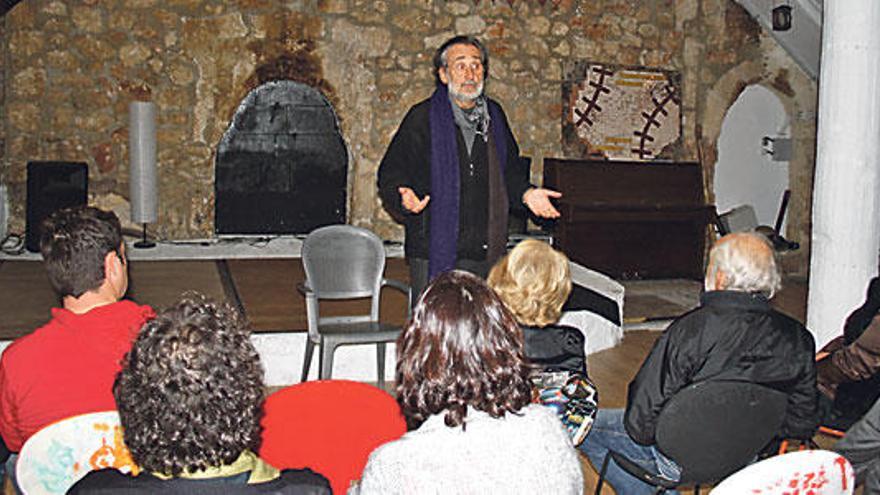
[846, 220]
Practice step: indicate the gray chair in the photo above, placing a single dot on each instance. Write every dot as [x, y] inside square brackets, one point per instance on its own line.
[345, 262]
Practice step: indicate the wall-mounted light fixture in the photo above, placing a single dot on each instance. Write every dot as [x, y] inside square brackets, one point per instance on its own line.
[778, 148]
[780, 17]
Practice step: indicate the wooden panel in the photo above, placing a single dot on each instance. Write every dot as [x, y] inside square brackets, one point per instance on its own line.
[629, 184]
[631, 219]
[637, 246]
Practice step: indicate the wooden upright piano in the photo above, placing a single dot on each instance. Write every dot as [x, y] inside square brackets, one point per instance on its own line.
[631, 220]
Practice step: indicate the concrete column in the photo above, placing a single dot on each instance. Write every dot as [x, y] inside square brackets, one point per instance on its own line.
[846, 213]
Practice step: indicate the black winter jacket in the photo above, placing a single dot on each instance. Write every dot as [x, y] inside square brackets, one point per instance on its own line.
[290, 482]
[732, 336]
[407, 162]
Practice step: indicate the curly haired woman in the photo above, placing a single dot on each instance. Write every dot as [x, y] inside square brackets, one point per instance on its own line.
[190, 398]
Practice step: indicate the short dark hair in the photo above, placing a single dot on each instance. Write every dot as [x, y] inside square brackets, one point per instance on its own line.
[440, 54]
[190, 393]
[74, 242]
[461, 348]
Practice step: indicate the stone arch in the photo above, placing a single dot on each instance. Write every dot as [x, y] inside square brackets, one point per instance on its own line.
[797, 103]
[282, 165]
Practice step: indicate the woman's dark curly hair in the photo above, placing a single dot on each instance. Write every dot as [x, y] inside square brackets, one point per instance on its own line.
[461, 348]
[190, 393]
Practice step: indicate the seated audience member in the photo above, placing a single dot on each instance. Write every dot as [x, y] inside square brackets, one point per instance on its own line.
[534, 281]
[67, 366]
[733, 335]
[847, 367]
[861, 447]
[190, 398]
[463, 380]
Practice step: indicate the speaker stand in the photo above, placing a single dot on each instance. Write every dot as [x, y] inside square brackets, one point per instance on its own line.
[144, 243]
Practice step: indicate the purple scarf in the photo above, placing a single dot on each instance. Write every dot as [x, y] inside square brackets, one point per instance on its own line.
[445, 186]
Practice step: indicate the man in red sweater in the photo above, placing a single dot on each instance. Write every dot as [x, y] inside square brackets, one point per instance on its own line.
[67, 366]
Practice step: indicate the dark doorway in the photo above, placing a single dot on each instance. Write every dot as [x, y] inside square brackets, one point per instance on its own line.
[282, 165]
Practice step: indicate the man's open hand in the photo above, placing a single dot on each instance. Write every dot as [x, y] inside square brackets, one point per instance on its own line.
[411, 202]
[538, 201]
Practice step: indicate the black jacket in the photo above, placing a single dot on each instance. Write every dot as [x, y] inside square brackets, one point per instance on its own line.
[407, 162]
[556, 348]
[290, 482]
[732, 336]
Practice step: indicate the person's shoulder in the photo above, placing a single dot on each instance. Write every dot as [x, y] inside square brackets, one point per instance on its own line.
[541, 422]
[493, 102]
[694, 320]
[793, 328]
[133, 308]
[419, 110]
[538, 414]
[305, 478]
[36, 342]
[109, 481]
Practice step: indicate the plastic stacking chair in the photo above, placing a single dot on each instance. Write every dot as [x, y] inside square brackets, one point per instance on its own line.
[330, 426]
[817, 472]
[345, 262]
[57, 456]
[710, 430]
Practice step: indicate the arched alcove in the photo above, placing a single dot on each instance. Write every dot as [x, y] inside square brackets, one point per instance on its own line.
[745, 174]
[281, 167]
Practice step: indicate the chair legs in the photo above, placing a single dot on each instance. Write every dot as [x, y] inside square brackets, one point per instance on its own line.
[659, 488]
[602, 473]
[380, 364]
[307, 359]
[327, 349]
[325, 360]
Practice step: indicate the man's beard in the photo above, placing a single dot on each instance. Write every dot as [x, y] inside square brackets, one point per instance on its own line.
[460, 96]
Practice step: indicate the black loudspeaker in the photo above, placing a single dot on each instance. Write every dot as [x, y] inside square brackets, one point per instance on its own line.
[50, 187]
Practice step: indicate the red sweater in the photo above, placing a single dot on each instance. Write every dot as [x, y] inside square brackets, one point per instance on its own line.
[64, 368]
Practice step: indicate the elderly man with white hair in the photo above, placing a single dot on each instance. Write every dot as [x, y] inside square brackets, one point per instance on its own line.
[734, 335]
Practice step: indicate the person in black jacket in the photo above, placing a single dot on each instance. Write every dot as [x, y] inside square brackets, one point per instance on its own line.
[534, 281]
[734, 335]
[190, 398]
[452, 171]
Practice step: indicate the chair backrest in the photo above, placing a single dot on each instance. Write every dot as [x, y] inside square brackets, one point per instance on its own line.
[343, 261]
[330, 426]
[57, 456]
[818, 472]
[739, 219]
[711, 429]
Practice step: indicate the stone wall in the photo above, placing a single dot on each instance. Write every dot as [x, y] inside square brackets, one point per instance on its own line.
[72, 68]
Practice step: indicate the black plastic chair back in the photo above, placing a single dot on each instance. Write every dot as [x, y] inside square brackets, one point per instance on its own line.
[713, 429]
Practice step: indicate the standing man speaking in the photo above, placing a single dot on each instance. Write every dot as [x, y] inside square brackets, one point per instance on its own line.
[452, 171]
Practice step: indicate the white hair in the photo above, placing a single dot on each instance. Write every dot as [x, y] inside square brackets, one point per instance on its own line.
[745, 269]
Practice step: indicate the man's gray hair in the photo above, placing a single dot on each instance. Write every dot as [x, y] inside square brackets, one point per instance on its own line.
[747, 260]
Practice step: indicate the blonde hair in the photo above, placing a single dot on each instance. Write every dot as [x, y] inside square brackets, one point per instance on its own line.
[534, 282]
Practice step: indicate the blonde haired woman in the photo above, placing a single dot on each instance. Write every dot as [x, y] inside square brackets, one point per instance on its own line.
[534, 282]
